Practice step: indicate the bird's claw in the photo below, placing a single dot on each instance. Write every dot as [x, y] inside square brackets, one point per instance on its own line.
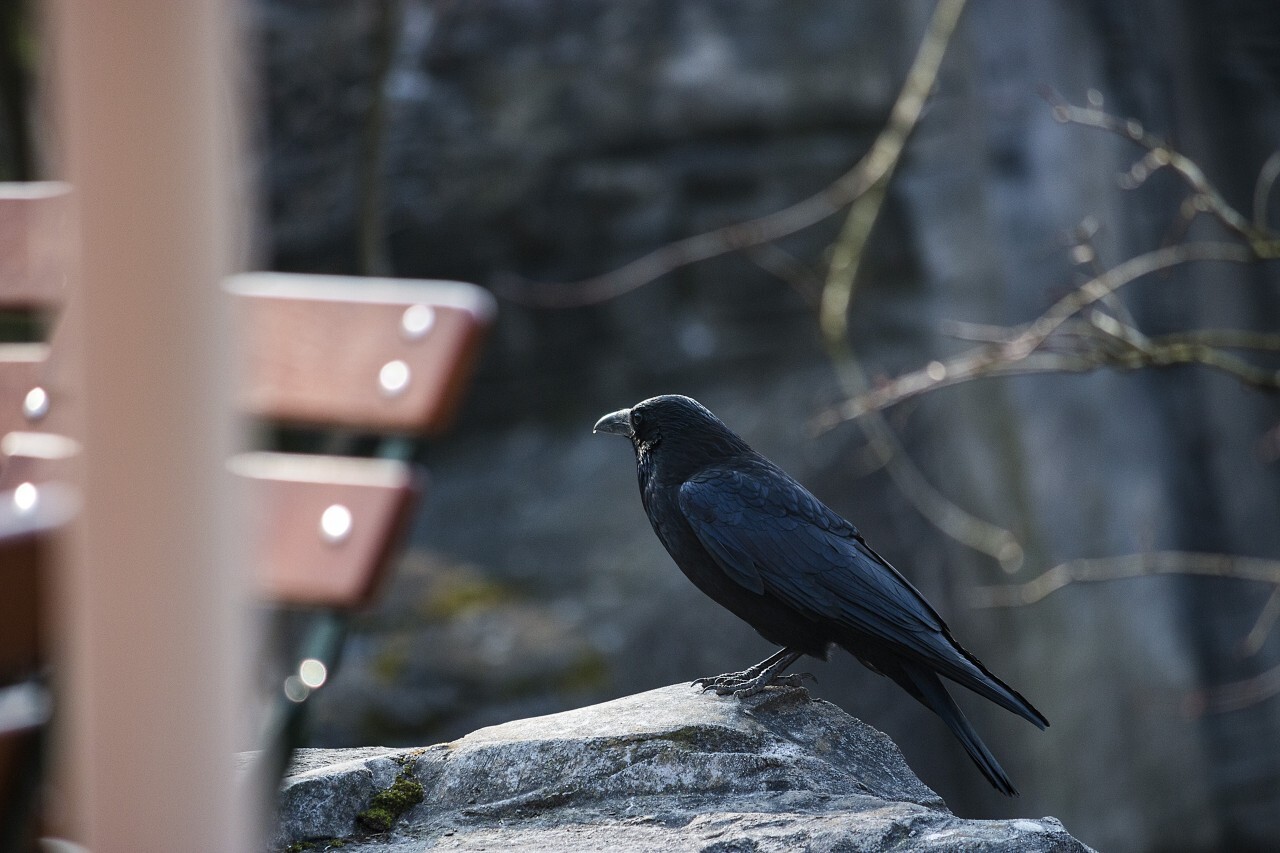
[722, 688]
[796, 679]
[723, 684]
[753, 679]
[743, 685]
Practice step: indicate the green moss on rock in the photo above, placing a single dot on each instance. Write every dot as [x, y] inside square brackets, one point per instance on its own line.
[404, 793]
[322, 844]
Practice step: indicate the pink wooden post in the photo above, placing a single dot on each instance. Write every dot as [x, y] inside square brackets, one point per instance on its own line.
[154, 645]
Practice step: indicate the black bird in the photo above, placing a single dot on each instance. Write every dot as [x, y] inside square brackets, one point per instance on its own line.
[761, 545]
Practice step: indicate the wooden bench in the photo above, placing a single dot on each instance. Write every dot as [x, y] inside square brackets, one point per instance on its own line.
[350, 356]
[382, 356]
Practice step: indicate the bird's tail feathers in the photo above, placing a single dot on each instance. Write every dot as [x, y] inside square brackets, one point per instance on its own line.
[928, 689]
[982, 681]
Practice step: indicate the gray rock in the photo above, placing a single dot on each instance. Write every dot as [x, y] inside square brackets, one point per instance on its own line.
[667, 769]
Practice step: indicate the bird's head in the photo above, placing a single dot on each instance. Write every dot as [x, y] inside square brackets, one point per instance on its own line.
[688, 434]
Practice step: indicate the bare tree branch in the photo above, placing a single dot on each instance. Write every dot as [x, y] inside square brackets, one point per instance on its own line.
[883, 160]
[1126, 566]
[780, 263]
[1117, 277]
[1262, 190]
[1210, 700]
[1234, 696]
[1160, 155]
[1012, 349]
[1252, 643]
[838, 290]
[1226, 339]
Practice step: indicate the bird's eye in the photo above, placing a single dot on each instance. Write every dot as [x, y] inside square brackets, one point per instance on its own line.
[637, 418]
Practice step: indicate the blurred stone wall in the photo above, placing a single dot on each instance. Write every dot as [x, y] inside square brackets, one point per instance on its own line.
[557, 140]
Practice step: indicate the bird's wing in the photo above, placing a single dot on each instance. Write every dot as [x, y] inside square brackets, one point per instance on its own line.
[772, 536]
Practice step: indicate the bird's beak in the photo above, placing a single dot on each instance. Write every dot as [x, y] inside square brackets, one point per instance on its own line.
[618, 423]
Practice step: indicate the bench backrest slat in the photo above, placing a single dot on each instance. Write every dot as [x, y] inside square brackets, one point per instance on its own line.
[384, 355]
[35, 229]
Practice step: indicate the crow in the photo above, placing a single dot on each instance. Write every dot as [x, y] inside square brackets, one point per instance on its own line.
[761, 545]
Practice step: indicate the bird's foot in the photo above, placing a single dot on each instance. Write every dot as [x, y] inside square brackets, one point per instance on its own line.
[795, 679]
[748, 683]
[731, 681]
[751, 681]
[715, 682]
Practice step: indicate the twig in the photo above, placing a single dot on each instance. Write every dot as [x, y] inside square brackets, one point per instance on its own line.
[1016, 346]
[777, 261]
[882, 160]
[837, 296]
[1234, 696]
[1252, 643]
[1085, 253]
[1262, 190]
[1225, 339]
[1209, 700]
[985, 333]
[1161, 155]
[1127, 566]
[1117, 277]
[1174, 350]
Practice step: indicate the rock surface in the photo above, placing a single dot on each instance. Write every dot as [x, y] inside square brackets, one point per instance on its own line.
[670, 769]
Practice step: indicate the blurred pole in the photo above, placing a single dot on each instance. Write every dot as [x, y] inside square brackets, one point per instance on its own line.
[150, 698]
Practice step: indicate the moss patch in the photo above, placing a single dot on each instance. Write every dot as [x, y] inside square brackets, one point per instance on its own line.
[321, 845]
[404, 793]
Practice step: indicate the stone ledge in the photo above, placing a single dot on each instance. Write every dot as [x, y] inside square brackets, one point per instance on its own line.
[669, 769]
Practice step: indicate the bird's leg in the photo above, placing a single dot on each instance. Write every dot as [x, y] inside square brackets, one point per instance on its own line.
[769, 675]
[712, 681]
[751, 681]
